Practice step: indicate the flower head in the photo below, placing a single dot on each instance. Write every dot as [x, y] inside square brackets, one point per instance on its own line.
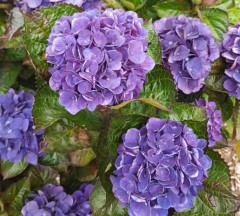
[98, 58]
[214, 124]
[188, 50]
[17, 136]
[160, 166]
[231, 52]
[31, 5]
[52, 200]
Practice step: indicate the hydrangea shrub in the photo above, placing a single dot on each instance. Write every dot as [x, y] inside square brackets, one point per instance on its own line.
[102, 110]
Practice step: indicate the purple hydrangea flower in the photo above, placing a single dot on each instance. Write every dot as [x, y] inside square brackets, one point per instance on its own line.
[31, 5]
[99, 58]
[17, 136]
[81, 205]
[160, 166]
[188, 49]
[230, 50]
[52, 200]
[214, 124]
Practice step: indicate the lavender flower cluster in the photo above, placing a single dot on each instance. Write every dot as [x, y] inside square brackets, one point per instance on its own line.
[31, 5]
[160, 166]
[214, 124]
[99, 58]
[17, 136]
[230, 50]
[188, 49]
[52, 200]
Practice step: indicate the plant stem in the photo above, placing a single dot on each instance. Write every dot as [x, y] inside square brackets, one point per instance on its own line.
[199, 14]
[235, 120]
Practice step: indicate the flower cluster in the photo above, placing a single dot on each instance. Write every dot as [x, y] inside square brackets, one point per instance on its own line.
[230, 50]
[214, 124]
[160, 166]
[99, 58]
[52, 200]
[188, 49]
[17, 136]
[31, 5]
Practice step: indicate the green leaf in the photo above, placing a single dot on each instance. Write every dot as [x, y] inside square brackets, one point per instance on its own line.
[112, 207]
[184, 112]
[159, 87]
[199, 128]
[82, 157]
[41, 175]
[14, 54]
[234, 15]
[47, 110]
[113, 3]
[154, 47]
[14, 195]
[224, 4]
[217, 20]
[149, 11]
[9, 169]
[52, 159]
[37, 29]
[97, 197]
[64, 136]
[214, 79]
[216, 199]
[174, 8]
[133, 4]
[9, 73]
[138, 108]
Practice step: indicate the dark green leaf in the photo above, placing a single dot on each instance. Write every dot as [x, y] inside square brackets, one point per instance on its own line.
[160, 87]
[174, 8]
[154, 47]
[14, 196]
[37, 29]
[217, 20]
[47, 110]
[52, 159]
[14, 54]
[9, 169]
[82, 157]
[9, 73]
[64, 136]
[199, 128]
[133, 4]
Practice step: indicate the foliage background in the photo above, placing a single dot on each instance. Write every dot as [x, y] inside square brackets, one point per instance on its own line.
[83, 147]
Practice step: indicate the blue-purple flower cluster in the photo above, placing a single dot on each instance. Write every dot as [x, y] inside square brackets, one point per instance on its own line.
[214, 124]
[188, 50]
[98, 58]
[31, 5]
[160, 166]
[18, 139]
[52, 200]
[230, 50]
